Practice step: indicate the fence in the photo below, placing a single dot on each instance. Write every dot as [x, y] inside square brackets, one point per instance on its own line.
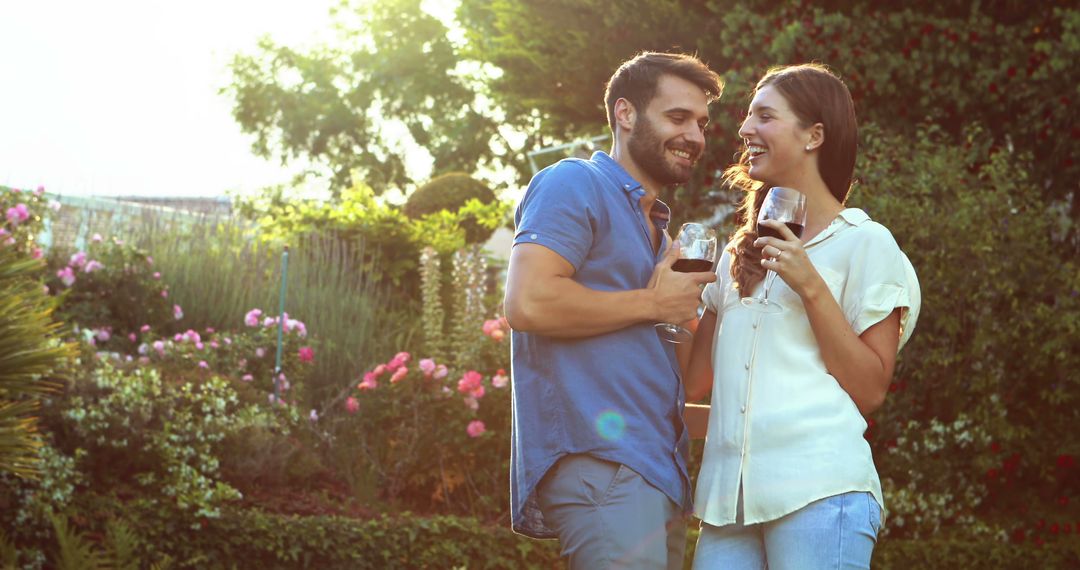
[79, 218]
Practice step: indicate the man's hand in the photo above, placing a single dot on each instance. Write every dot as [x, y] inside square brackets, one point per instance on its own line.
[676, 295]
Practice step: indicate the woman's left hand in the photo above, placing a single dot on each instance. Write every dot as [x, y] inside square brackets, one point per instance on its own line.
[788, 259]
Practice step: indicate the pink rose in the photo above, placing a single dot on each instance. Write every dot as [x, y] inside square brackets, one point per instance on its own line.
[427, 367]
[177, 312]
[251, 319]
[144, 328]
[18, 214]
[247, 377]
[471, 403]
[66, 276]
[440, 372]
[352, 405]
[369, 382]
[379, 370]
[475, 429]
[500, 379]
[306, 354]
[399, 375]
[470, 382]
[497, 335]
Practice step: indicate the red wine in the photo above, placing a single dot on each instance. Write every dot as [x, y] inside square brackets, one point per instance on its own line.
[692, 265]
[766, 231]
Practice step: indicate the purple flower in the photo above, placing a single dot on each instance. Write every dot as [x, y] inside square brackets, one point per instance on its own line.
[78, 260]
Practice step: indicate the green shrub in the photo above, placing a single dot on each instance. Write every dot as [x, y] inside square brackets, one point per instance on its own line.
[450, 192]
[248, 538]
[163, 438]
[113, 292]
[995, 343]
[944, 554]
[323, 270]
[29, 505]
[419, 435]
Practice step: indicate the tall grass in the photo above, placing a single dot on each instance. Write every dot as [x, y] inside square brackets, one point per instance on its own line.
[219, 268]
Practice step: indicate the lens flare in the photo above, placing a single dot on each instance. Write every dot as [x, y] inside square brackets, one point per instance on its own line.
[610, 425]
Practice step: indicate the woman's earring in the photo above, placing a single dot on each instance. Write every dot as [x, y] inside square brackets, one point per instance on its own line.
[807, 148]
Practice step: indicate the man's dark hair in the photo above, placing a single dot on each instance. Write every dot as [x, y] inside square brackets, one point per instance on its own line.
[636, 79]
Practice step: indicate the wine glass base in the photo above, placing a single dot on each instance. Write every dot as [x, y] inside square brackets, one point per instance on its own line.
[762, 305]
[673, 333]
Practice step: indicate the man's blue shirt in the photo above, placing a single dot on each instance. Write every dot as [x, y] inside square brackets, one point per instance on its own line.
[615, 396]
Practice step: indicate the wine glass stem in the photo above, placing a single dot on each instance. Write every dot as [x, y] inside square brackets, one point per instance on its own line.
[769, 275]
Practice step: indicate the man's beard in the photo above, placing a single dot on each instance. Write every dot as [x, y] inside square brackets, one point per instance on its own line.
[648, 152]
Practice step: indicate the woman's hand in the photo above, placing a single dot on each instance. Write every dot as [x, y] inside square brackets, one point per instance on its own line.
[788, 259]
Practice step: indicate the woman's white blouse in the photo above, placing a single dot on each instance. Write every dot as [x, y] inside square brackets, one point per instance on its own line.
[779, 421]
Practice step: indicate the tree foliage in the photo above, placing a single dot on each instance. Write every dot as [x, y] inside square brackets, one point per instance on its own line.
[335, 106]
[951, 64]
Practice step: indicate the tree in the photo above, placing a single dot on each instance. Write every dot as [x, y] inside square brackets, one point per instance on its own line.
[953, 64]
[333, 105]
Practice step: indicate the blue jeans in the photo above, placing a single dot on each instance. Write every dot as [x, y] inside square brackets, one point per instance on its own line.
[607, 516]
[837, 532]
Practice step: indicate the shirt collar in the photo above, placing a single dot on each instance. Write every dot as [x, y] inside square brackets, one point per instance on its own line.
[660, 213]
[848, 217]
[622, 177]
[854, 216]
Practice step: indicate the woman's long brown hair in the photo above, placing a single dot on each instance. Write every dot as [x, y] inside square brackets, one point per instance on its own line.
[815, 95]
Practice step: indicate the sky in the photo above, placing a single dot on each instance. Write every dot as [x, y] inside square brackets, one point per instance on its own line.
[120, 97]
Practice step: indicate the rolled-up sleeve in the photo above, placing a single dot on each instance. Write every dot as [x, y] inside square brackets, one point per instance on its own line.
[557, 213]
[882, 280]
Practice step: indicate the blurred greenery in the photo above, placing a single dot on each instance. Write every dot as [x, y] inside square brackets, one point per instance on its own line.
[392, 63]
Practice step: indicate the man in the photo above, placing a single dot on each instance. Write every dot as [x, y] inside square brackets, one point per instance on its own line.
[599, 446]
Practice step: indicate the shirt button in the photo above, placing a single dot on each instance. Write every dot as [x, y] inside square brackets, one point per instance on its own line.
[743, 409]
[532, 236]
[753, 325]
[747, 366]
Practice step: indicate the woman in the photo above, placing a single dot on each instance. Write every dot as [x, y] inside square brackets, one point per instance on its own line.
[787, 479]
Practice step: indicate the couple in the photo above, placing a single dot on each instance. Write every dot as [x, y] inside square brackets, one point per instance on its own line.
[600, 438]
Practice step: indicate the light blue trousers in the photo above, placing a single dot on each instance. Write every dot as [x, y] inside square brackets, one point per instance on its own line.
[607, 516]
[837, 532]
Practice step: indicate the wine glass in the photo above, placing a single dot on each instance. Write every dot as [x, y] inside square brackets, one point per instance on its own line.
[783, 205]
[697, 248]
